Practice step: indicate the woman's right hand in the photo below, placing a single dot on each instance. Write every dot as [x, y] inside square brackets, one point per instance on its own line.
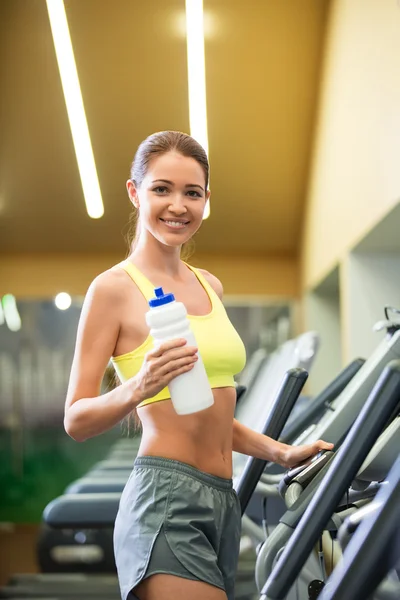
[162, 364]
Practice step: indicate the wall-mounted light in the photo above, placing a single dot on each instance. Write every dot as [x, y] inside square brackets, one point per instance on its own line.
[11, 314]
[75, 108]
[197, 76]
[63, 301]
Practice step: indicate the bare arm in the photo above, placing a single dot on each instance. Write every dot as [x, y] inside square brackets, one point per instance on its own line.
[87, 413]
[249, 442]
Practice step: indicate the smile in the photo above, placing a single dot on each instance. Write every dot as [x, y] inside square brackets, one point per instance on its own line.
[175, 224]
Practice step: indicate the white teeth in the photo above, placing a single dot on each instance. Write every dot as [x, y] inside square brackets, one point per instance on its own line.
[174, 223]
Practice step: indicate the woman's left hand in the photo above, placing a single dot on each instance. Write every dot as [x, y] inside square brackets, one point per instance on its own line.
[293, 455]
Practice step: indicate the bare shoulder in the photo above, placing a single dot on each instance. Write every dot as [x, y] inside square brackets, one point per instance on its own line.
[107, 292]
[214, 282]
[109, 285]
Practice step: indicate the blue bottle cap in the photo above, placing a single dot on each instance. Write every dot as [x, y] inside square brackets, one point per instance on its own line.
[161, 298]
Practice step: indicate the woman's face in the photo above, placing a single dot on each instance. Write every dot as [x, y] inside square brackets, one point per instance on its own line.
[171, 198]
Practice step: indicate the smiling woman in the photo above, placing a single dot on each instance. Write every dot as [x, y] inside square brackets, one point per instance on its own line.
[171, 148]
[177, 532]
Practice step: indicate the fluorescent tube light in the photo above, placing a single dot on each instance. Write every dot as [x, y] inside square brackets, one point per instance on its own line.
[197, 76]
[75, 108]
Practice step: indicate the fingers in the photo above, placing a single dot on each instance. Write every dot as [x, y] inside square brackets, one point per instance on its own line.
[173, 365]
[165, 359]
[324, 445]
[296, 454]
[177, 372]
[186, 354]
[171, 351]
[159, 350]
[313, 449]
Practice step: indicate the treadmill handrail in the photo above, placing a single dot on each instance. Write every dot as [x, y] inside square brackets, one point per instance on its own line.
[359, 441]
[292, 384]
[321, 401]
[304, 473]
[366, 560]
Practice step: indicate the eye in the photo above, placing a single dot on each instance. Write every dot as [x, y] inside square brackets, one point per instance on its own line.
[194, 194]
[160, 189]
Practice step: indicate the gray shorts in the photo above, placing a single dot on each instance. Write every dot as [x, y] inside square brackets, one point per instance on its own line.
[177, 520]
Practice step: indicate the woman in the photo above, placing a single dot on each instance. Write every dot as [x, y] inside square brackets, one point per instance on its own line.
[178, 527]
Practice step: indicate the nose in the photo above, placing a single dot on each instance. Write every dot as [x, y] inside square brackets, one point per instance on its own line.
[177, 205]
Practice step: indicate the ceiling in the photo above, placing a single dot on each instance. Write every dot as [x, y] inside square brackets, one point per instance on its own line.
[263, 63]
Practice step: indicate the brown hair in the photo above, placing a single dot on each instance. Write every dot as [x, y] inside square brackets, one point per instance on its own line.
[155, 145]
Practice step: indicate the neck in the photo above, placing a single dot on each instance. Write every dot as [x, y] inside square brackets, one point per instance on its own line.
[152, 255]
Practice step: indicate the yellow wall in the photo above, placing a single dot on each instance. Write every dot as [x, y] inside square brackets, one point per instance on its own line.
[355, 177]
[265, 276]
[46, 275]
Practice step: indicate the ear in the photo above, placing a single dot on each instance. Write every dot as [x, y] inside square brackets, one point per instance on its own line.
[132, 193]
[208, 194]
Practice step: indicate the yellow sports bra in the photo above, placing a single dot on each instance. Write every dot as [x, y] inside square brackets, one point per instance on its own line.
[221, 349]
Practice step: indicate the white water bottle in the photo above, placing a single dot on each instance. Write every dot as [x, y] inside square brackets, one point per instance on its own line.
[167, 319]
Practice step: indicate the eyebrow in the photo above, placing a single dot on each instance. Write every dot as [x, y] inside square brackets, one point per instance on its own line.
[188, 185]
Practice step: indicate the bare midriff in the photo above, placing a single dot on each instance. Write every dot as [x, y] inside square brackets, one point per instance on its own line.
[202, 439]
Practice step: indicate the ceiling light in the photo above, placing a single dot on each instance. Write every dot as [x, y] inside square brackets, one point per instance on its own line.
[197, 76]
[63, 301]
[75, 108]
[11, 314]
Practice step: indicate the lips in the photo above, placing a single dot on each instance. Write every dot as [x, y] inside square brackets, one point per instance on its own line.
[175, 223]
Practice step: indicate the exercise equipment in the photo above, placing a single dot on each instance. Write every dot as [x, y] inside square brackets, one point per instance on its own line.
[326, 491]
